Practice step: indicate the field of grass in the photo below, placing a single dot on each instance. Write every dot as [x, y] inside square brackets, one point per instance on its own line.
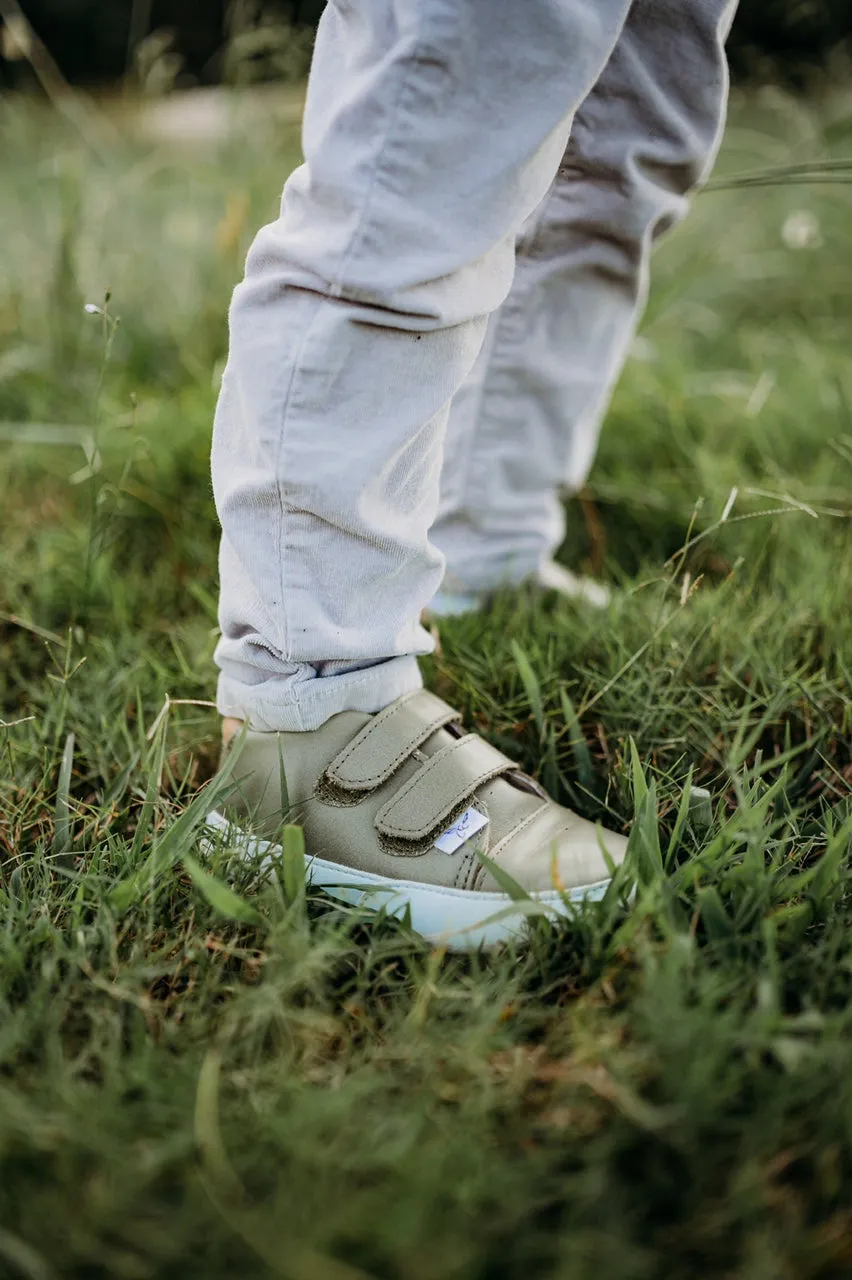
[194, 1087]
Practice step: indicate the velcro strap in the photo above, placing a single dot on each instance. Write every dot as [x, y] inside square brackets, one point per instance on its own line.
[440, 788]
[379, 749]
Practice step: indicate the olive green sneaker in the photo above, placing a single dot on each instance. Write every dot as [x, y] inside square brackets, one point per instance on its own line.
[398, 809]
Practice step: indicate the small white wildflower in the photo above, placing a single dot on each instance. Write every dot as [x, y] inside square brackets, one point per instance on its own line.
[92, 310]
[801, 230]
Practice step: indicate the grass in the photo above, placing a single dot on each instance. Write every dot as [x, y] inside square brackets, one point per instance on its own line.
[190, 1088]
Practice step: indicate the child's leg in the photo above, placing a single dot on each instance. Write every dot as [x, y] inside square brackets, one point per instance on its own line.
[526, 421]
[433, 128]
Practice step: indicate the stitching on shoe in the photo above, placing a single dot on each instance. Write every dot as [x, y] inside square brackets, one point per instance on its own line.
[393, 830]
[463, 871]
[500, 846]
[379, 723]
[470, 858]
[415, 846]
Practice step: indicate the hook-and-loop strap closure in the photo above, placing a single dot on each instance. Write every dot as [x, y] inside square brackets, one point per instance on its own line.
[440, 789]
[391, 737]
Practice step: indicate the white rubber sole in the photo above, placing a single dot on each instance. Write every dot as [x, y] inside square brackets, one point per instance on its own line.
[458, 919]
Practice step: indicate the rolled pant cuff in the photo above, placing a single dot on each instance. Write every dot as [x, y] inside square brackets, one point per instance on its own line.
[287, 704]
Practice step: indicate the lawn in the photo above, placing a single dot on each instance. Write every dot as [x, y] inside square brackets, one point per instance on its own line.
[196, 1082]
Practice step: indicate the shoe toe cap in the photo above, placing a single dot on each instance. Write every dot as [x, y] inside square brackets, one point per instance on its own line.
[556, 850]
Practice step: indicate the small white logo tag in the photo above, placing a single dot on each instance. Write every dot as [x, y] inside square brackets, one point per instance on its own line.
[462, 829]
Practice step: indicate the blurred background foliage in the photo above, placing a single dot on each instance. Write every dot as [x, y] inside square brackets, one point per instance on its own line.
[180, 43]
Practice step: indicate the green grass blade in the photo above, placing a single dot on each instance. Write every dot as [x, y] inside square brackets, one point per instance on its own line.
[62, 809]
[819, 879]
[155, 764]
[680, 820]
[532, 686]
[643, 844]
[177, 838]
[220, 896]
[579, 749]
[506, 882]
[717, 922]
[293, 862]
[637, 774]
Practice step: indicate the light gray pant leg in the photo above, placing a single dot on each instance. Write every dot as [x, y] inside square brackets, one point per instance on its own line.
[526, 421]
[433, 128]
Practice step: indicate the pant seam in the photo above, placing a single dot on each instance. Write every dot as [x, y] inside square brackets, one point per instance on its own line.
[507, 336]
[281, 544]
[336, 290]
